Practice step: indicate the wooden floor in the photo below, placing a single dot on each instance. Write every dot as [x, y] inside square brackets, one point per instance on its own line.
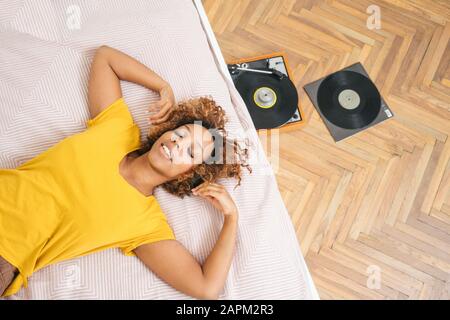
[378, 203]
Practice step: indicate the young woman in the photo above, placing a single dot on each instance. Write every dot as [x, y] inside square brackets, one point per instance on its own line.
[94, 190]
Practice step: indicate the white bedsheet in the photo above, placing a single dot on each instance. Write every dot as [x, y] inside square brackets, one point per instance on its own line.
[45, 52]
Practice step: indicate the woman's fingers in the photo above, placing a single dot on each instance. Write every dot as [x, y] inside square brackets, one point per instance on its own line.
[217, 186]
[213, 199]
[163, 114]
[218, 195]
[156, 105]
[164, 104]
[212, 191]
[209, 192]
[160, 105]
[164, 118]
[206, 183]
[211, 185]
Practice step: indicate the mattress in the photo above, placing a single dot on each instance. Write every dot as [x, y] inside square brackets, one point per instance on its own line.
[46, 48]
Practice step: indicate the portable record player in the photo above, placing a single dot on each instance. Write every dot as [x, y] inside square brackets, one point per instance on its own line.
[265, 85]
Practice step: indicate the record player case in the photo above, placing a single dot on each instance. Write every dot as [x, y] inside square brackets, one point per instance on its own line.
[278, 61]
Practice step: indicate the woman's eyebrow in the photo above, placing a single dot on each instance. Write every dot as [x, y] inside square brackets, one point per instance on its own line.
[190, 131]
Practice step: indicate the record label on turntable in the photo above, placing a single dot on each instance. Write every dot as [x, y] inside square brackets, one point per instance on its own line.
[265, 97]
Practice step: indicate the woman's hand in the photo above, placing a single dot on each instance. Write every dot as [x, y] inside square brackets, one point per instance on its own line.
[165, 105]
[218, 196]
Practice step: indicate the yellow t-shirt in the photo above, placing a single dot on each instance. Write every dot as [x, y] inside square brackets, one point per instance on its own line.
[71, 200]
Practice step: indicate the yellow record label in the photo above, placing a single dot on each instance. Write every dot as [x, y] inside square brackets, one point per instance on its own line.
[264, 97]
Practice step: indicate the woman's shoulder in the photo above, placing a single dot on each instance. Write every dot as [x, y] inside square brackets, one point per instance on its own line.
[118, 112]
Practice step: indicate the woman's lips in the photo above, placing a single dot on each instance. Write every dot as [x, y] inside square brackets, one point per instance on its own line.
[161, 149]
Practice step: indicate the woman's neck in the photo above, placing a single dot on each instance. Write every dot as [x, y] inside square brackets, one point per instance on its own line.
[139, 173]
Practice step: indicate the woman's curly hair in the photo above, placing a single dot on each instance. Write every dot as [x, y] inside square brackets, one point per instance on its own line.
[213, 118]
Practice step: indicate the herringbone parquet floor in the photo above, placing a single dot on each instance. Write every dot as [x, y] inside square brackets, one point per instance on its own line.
[375, 206]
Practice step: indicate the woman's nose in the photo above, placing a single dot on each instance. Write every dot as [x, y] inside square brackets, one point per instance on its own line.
[177, 146]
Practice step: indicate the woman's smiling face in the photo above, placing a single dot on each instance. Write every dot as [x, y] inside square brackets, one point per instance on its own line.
[177, 151]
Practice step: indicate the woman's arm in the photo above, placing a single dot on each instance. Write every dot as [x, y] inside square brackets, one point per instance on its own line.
[175, 265]
[217, 265]
[108, 67]
[129, 69]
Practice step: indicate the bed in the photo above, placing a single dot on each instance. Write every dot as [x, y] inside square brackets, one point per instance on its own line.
[45, 52]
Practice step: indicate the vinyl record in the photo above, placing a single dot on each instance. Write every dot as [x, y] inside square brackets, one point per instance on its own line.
[271, 102]
[348, 99]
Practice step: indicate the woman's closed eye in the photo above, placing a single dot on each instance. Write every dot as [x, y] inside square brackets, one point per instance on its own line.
[189, 149]
[178, 134]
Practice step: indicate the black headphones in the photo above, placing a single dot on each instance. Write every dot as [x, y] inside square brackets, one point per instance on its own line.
[196, 181]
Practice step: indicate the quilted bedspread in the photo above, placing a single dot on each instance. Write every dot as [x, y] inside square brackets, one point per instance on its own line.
[46, 48]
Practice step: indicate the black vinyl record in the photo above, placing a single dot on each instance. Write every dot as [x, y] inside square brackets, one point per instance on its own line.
[280, 110]
[348, 99]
